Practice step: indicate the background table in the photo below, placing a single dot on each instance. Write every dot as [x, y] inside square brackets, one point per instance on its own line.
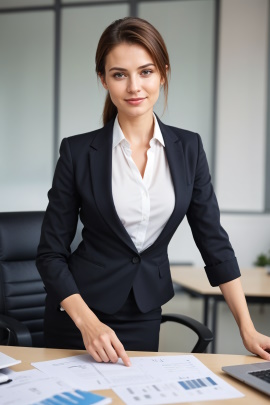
[213, 361]
[255, 281]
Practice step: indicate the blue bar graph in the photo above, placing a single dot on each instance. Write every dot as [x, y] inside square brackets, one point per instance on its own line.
[197, 383]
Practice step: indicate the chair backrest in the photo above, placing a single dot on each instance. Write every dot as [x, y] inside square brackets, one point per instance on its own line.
[22, 294]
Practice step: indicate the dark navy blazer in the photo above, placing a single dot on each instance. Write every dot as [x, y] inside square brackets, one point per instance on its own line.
[106, 264]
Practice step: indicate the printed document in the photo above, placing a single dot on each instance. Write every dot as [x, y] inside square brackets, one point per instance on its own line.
[7, 361]
[176, 379]
[77, 371]
[149, 381]
[29, 386]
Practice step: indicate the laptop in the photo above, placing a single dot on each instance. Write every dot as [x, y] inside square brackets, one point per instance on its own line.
[257, 375]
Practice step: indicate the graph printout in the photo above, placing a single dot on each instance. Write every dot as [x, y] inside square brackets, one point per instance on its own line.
[177, 379]
[149, 381]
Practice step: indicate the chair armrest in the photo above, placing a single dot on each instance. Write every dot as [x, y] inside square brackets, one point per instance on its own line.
[18, 333]
[205, 335]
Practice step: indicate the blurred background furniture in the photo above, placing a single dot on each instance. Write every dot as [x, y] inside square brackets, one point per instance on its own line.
[255, 281]
[22, 295]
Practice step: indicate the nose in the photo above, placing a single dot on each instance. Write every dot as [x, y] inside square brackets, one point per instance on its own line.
[133, 84]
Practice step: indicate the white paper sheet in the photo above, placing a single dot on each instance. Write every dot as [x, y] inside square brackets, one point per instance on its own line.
[77, 371]
[150, 380]
[177, 379]
[7, 361]
[30, 386]
[119, 374]
[170, 393]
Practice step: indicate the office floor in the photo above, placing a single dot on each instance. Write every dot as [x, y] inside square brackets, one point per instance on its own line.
[178, 338]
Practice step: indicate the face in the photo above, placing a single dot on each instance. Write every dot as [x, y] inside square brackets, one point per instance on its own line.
[132, 79]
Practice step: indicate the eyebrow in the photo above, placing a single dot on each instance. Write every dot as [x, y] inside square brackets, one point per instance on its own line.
[124, 70]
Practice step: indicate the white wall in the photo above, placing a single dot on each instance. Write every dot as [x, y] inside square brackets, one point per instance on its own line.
[241, 133]
[249, 236]
[188, 30]
[82, 96]
[242, 104]
[26, 109]
[26, 102]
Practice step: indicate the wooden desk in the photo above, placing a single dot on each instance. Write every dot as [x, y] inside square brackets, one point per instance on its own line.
[213, 361]
[255, 281]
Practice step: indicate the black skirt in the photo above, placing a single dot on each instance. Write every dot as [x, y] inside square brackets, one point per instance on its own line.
[136, 330]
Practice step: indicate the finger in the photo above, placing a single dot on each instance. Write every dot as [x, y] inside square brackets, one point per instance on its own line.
[113, 356]
[103, 355]
[95, 355]
[100, 345]
[119, 348]
[263, 354]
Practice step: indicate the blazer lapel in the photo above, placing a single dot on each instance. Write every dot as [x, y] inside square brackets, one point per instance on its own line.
[100, 157]
[176, 160]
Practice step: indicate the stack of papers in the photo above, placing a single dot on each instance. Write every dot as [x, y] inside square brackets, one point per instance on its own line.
[149, 381]
[37, 388]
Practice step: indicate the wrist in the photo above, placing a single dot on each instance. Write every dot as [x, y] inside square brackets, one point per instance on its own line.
[78, 310]
[247, 328]
[84, 316]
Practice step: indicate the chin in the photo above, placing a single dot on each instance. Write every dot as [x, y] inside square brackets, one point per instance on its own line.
[136, 111]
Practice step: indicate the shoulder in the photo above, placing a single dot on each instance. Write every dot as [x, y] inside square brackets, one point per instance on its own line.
[82, 140]
[184, 135]
[188, 139]
[95, 139]
[79, 145]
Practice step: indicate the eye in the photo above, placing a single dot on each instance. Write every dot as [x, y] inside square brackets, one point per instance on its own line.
[119, 75]
[146, 72]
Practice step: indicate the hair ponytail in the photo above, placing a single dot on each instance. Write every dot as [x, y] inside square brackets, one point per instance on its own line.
[109, 110]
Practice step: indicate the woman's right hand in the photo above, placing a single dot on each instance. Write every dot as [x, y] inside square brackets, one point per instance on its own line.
[99, 340]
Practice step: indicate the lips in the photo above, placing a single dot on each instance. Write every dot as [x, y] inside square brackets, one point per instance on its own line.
[135, 101]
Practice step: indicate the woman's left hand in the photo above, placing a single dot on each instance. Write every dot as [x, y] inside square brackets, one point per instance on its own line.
[257, 343]
[253, 341]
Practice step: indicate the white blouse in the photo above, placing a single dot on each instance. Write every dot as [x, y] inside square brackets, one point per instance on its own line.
[143, 205]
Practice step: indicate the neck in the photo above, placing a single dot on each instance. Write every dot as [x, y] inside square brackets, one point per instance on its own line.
[137, 130]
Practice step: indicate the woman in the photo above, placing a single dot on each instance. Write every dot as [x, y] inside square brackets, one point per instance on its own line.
[132, 182]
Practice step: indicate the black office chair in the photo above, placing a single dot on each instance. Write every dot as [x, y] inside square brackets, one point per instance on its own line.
[22, 294]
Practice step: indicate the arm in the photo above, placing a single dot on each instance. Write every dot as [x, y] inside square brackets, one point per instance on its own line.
[221, 265]
[235, 298]
[204, 219]
[58, 230]
[99, 340]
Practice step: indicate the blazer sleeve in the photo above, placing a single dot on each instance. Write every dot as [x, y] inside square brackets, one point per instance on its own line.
[204, 219]
[58, 229]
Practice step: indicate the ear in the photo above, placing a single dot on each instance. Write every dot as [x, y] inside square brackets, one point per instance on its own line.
[162, 80]
[103, 81]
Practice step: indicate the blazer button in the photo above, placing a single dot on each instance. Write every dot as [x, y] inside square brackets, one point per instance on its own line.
[135, 259]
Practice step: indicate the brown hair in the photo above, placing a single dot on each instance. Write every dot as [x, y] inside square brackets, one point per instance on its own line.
[132, 30]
